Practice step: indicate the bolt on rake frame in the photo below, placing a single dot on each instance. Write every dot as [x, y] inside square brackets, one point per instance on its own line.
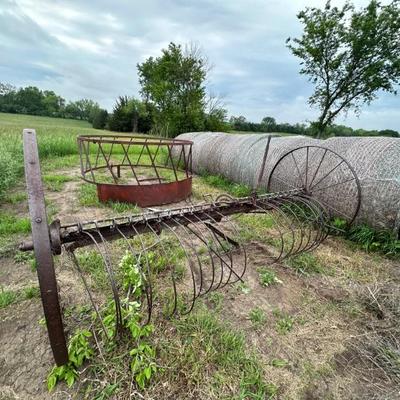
[303, 217]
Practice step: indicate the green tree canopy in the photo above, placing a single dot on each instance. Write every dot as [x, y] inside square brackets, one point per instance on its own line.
[173, 84]
[348, 55]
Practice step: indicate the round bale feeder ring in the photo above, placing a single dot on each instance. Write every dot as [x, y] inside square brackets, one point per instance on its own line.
[146, 171]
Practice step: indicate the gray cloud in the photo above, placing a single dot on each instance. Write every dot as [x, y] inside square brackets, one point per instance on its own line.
[90, 49]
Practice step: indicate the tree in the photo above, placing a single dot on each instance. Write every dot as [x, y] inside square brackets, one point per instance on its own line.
[53, 105]
[29, 100]
[349, 55]
[99, 118]
[173, 85]
[129, 115]
[268, 121]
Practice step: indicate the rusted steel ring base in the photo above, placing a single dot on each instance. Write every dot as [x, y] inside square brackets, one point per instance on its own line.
[146, 195]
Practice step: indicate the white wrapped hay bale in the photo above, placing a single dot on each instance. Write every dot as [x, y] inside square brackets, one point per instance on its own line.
[375, 160]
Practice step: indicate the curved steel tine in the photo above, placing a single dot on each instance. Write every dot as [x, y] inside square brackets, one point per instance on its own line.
[260, 210]
[191, 269]
[173, 272]
[242, 248]
[323, 220]
[108, 263]
[175, 293]
[287, 226]
[294, 217]
[310, 228]
[315, 226]
[229, 255]
[213, 250]
[303, 226]
[188, 231]
[210, 251]
[276, 226]
[72, 256]
[293, 200]
[319, 223]
[110, 274]
[210, 256]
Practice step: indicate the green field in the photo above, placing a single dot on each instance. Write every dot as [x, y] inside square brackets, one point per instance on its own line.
[56, 138]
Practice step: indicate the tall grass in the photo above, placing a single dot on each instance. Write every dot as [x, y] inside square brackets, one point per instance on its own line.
[56, 138]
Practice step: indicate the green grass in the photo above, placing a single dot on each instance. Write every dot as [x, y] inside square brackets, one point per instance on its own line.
[10, 224]
[256, 227]
[87, 195]
[257, 317]
[305, 264]
[56, 138]
[26, 257]
[267, 277]
[284, 322]
[55, 183]
[91, 262]
[213, 359]
[8, 297]
[15, 198]
[369, 239]
[218, 181]
[279, 363]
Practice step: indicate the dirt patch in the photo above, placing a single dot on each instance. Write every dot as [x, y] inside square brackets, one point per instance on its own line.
[14, 276]
[25, 358]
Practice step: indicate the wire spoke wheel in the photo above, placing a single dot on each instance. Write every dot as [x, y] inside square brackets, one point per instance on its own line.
[322, 174]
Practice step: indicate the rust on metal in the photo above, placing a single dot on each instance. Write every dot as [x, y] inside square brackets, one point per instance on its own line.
[43, 250]
[146, 171]
[146, 195]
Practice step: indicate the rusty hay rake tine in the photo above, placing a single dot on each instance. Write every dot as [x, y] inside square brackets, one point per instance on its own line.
[110, 275]
[301, 224]
[191, 270]
[229, 240]
[175, 292]
[276, 226]
[85, 284]
[212, 252]
[211, 260]
[287, 225]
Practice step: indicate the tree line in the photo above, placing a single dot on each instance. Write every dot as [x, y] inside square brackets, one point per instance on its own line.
[31, 100]
[269, 125]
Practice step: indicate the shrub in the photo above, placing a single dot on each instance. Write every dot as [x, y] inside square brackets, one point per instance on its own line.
[100, 118]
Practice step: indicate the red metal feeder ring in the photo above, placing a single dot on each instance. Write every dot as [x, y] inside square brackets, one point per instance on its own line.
[143, 170]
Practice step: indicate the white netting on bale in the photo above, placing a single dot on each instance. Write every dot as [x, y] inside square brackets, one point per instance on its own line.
[376, 162]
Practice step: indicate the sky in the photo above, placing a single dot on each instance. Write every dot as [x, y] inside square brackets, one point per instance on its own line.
[90, 49]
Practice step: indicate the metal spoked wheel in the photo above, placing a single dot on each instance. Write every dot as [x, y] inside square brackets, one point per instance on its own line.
[43, 249]
[323, 175]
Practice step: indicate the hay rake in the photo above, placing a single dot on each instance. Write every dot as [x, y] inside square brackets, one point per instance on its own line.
[207, 235]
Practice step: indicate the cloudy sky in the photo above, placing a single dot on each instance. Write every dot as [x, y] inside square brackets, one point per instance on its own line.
[91, 48]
